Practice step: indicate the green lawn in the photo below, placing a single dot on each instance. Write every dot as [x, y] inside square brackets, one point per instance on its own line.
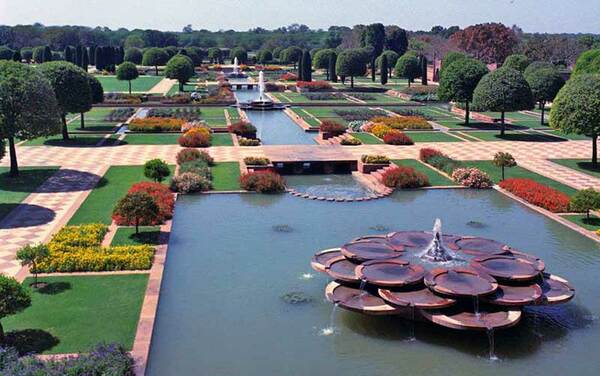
[98, 206]
[432, 137]
[435, 178]
[14, 190]
[94, 121]
[218, 139]
[300, 98]
[305, 115]
[141, 84]
[569, 136]
[495, 174]
[76, 140]
[592, 224]
[74, 313]
[226, 176]
[582, 165]
[367, 138]
[214, 116]
[514, 136]
[127, 236]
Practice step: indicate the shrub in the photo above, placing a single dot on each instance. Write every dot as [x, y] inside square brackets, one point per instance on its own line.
[30, 255]
[163, 198]
[80, 236]
[191, 154]
[380, 130]
[585, 200]
[444, 163]
[262, 182]
[314, 85]
[402, 122]
[155, 124]
[198, 167]
[188, 182]
[288, 77]
[537, 194]
[186, 113]
[156, 169]
[256, 161]
[137, 208]
[248, 141]
[395, 137]
[374, 158]
[472, 178]
[195, 137]
[426, 153]
[351, 141]
[243, 129]
[404, 177]
[332, 127]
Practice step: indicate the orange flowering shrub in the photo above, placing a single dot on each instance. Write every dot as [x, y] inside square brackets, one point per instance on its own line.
[156, 124]
[402, 122]
[195, 138]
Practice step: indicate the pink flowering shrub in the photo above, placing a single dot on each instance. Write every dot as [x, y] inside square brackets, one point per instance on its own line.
[472, 178]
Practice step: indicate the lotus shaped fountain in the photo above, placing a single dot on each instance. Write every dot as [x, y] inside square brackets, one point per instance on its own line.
[458, 282]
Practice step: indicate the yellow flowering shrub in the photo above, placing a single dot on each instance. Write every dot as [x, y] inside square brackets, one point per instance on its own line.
[402, 122]
[380, 130]
[78, 249]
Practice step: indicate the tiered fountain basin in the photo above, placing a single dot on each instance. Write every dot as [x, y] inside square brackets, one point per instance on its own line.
[484, 285]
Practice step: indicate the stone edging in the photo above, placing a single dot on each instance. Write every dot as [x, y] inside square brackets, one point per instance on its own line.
[375, 196]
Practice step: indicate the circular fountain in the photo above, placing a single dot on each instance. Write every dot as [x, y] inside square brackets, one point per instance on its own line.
[263, 103]
[458, 282]
[236, 73]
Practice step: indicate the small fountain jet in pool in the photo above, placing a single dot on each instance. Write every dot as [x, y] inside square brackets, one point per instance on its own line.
[263, 102]
[436, 251]
[236, 70]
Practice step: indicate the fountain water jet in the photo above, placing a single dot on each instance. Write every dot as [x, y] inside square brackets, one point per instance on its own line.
[263, 103]
[436, 251]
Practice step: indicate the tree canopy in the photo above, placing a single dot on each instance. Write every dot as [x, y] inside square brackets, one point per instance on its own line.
[13, 299]
[240, 53]
[488, 42]
[127, 71]
[587, 62]
[134, 55]
[155, 57]
[519, 62]
[407, 67]
[351, 63]
[391, 56]
[545, 81]
[180, 68]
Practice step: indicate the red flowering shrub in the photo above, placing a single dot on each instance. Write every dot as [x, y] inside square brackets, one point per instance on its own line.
[191, 154]
[262, 182]
[426, 153]
[195, 137]
[161, 195]
[288, 77]
[395, 137]
[332, 127]
[537, 194]
[404, 177]
[243, 129]
[314, 85]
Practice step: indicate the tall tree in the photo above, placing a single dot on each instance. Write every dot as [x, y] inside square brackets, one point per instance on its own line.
[503, 90]
[306, 66]
[321, 60]
[78, 56]
[71, 89]
[519, 62]
[384, 69]
[97, 95]
[68, 54]
[99, 58]
[407, 67]
[215, 55]
[396, 40]
[351, 62]
[332, 64]
[180, 68]
[292, 55]
[47, 54]
[240, 53]
[38, 54]
[576, 109]
[545, 81]
[423, 70]
[392, 58]
[17, 56]
[373, 67]
[489, 42]
[155, 57]
[85, 60]
[27, 105]
[459, 80]
[588, 62]
[127, 71]
[133, 55]
[373, 36]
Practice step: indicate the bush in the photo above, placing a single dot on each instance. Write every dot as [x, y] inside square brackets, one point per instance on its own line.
[426, 153]
[351, 141]
[332, 127]
[404, 177]
[88, 235]
[156, 169]
[262, 182]
[402, 122]
[163, 198]
[374, 158]
[395, 137]
[380, 130]
[585, 200]
[155, 124]
[243, 129]
[537, 194]
[198, 167]
[288, 77]
[137, 208]
[256, 161]
[188, 182]
[472, 178]
[314, 85]
[248, 141]
[195, 137]
[191, 154]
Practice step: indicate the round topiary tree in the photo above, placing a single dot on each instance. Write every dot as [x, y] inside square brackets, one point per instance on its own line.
[156, 169]
[292, 55]
[137, 207]
[503, 160]
[71, 89]
[180, 68]
[459, 80]
[154, 57]
[31, 255]
[133, 55]
[407, 67]
[13, 299]
[215, 55]
[451, 57]
[127, 71]
[503, 90]
[576, 109]
[588, 62]
[265, 56]
[519, 62]
[351, 63]
[585, 201]
[321, 60]
[392, 59]
[545, 81]
[28, 107]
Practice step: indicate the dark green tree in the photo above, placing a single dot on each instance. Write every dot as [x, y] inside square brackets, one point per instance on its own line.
[240, 53]
[407, 67]
[424, 70]
[38, 54]
[519, 62]
[97, 95]
[585, 201]
[373, 68]
[373, 36]
[331, 71]
[306, 66]
[71, 89]
[321, 60]
[133, 55]
[503, 90]
[13, 299]
[137, 207]
[545, 81]
[127, 71]
[392, 58]
[459, 80]
[157, 170]
[451, 57]
[180, 68]
[47, 54]
[99, 60]
[78, 56]
[6, 53]
[351, 63]
[17, 56]
[384, 69]
[587, 62]
[576, 109]
[215, 55]
[68, 54]
[292, 55]
[28, 107]
[396, 40]
[265, 56]
[27, 54]
[155, 57]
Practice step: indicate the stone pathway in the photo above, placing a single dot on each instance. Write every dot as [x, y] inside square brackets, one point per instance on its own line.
[163, 86]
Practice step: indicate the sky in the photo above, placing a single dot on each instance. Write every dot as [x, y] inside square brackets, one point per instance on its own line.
[553, 16]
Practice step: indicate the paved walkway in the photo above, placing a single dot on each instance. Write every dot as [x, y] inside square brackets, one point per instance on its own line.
[163, 86]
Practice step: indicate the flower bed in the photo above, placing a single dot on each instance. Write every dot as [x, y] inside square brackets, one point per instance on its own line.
[194, 171]
[186, 113]
[472, 178]
[120, 114]
[350, 142]
[396, 137]
[371, 163]
[404, 177]
[358, 114]
[243, 129]
[156, 124]
[243, 141]
[331, 129]
[323, 96]
[262, 182]
[78, 249]
[121, 98]
[537, 194]
[379, 130]
[161, 195]
[198, 137]
[402, 122]
[426, 153]
[256, 161]
[313, 86]
[191, 154]
[288, 77]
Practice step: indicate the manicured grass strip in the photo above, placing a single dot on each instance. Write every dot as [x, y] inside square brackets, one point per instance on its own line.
[515, 136]
[94, 121]
[14, 190]
[57, 140]
[432, 137]
[582, 165]
[127, 236]
[222, 139]
[367, 138]
[214, 116]
[307, 117]
[435, 178]
[569, 136]
[98, 206]
[226, 176]
[495, 174]
[74, 313]
[592, 223]
[140, 84]
[151, 139]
